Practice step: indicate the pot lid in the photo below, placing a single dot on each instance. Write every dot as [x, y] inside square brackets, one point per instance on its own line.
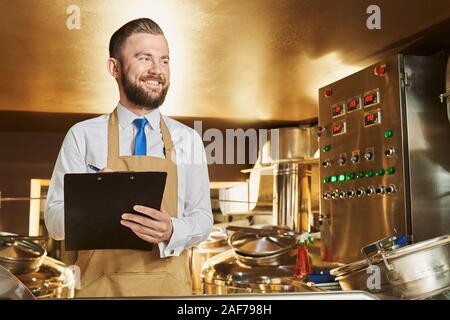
[19, 250]
[262, 243]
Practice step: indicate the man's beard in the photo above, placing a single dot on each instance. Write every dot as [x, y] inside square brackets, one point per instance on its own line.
[138, 96]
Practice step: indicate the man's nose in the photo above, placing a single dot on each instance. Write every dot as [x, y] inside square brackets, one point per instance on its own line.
[154, 67]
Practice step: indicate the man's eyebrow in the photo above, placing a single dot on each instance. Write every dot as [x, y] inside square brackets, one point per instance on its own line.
[142, 53]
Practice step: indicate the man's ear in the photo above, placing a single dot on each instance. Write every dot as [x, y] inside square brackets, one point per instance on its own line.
[112, 64]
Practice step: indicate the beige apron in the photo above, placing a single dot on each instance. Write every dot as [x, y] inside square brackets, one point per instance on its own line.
[116, 273]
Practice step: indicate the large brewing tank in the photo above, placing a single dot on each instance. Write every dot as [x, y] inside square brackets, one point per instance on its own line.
[290, 151]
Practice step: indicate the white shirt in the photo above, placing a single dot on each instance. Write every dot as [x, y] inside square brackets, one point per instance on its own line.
[86, 143]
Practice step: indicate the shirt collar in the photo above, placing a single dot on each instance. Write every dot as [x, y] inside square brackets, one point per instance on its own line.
[126, 117]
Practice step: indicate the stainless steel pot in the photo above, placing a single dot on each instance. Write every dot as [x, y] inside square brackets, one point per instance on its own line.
[216, 243]
[224, 274]
[53, 280]
[264, 245]
[419, 270]
[415, 271]
[20, 256]
[358, 276]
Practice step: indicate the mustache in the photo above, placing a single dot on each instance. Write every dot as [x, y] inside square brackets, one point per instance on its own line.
[157, 78]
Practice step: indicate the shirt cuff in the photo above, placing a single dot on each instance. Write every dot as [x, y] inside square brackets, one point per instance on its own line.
[177, 242]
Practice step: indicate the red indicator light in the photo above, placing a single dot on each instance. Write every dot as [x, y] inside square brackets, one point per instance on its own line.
[327, 93]
[369, 98]
[379, 70]
[370, 117]
[353, 103]
[337, 128]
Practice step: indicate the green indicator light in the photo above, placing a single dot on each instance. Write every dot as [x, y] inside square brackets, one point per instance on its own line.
[390, 170]
[380, 172]
[341, 177]
[326, 180]
[326, 148]
[369, 173]
[360, 175]
[334, 178]
[350, 176]
[388, 134]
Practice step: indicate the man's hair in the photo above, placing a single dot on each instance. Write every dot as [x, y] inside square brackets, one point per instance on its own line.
[142, 25]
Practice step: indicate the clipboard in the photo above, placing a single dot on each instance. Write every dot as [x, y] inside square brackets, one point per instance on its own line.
[94, 203]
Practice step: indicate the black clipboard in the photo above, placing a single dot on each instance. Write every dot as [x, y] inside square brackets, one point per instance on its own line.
[94, 203]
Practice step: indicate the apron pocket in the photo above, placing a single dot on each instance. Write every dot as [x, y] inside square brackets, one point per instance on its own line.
[135, 284]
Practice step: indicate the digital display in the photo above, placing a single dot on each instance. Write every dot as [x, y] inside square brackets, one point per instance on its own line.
[371, 118]
[338, 110]
[353, 104]
[371, 99]
[338, 128]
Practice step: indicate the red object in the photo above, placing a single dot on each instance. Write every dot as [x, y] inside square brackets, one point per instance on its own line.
[379, 70]
[327, 93]
[302, 266]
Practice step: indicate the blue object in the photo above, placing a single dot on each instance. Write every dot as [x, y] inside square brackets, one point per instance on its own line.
[403, 240]
[93, 167]
[321, 276]
[140, 142]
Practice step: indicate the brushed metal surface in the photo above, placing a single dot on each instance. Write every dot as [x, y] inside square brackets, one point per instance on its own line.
[354, 222]
[419, 207]
[428, 133]
[229, 58]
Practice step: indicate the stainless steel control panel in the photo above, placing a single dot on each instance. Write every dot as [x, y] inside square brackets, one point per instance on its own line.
[364, 156]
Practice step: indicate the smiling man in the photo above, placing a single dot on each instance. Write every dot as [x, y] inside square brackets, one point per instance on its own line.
[136, 137]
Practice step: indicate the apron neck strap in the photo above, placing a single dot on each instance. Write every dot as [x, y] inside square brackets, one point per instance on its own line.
[113, 135]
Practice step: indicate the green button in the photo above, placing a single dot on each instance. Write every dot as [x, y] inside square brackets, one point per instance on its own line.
[341, 177]
[369, 173]
[326, 180]
[350, 176]
[388, 134]
[380, 172]
[360, 175]
[390, 170]
[334, 178]
[326, 148]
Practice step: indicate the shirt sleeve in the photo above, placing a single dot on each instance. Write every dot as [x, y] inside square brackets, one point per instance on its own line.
[69, 160]
[197, 220]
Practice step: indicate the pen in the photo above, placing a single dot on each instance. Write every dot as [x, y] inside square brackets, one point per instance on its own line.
[93, 167]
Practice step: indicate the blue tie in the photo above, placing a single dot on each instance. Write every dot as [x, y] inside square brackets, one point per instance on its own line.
[140, 142]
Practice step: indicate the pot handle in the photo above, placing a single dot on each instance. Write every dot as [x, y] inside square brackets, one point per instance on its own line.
[381, 247]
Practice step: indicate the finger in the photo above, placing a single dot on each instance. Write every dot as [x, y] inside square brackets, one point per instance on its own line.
[153, 213]
[106, 170]
[142, 229]
[146, 237]
[145, 221]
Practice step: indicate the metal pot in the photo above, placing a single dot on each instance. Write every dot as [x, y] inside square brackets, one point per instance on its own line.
[224, 274]
[20, 256]
[53, 280]
[415, 271]
[198, 255]
[419, 270]
[264, 246]
[357, 276]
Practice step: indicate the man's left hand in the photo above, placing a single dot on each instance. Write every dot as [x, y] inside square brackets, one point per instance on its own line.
[154, 227]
